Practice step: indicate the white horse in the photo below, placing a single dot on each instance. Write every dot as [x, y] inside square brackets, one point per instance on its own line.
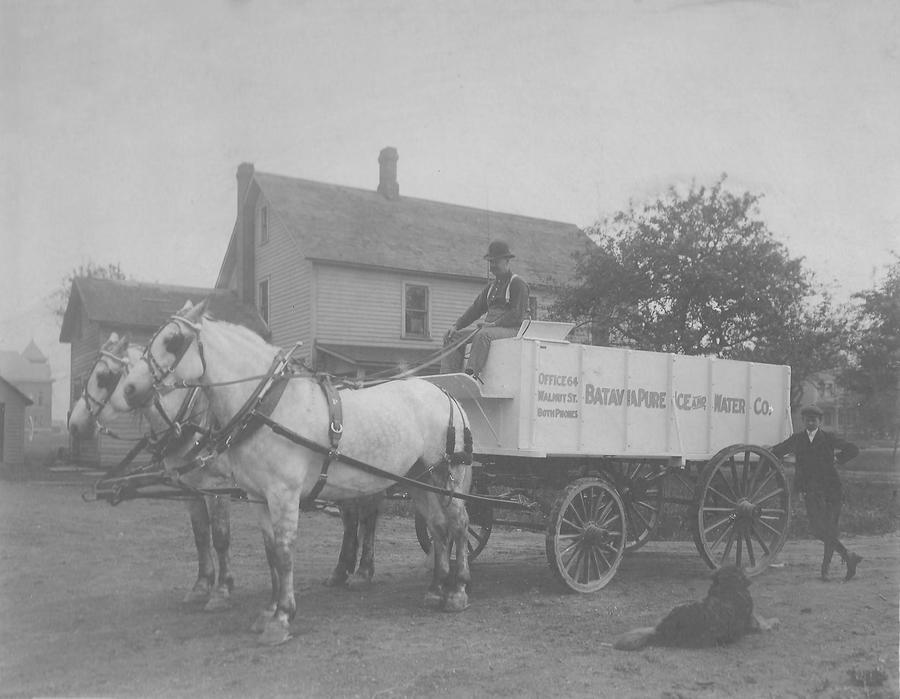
[210, 515]
[393, 426]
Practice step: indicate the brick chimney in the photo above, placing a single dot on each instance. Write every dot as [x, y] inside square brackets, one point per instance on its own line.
[388, 186]
[246, 233]
[244, 175]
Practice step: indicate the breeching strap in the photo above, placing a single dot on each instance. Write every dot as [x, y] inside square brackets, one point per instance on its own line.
[374, 470]
[335, 430]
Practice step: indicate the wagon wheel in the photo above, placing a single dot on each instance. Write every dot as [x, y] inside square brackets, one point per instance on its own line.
[640, 485]
[481, 522]
[586, 536]
[743, 508]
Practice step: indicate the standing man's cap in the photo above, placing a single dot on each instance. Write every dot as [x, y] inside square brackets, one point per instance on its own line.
[812, 410]
[498, 249]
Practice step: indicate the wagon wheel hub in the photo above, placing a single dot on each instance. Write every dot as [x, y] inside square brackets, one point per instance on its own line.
[745, 509]
[595, 535]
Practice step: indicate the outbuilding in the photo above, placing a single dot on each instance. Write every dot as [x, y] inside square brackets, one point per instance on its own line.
[12, 426]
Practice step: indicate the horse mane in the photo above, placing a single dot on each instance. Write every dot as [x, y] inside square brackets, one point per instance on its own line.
[244, 333]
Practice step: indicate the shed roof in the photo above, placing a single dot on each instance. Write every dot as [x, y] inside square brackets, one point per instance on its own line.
[25, 399]
[143, 305]
[340, 224]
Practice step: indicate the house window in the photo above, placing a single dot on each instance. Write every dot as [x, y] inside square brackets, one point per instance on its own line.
[263, 225]
[262, 300]
[415, 311]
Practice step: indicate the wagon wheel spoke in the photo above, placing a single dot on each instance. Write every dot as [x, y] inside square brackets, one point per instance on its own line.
[757, 524]
[760, 540]
[748, 545]
[640, 485]
[769, 477]
[718, 524]
[734, 485]
[586, 535]
[730, 501]
[762, 522]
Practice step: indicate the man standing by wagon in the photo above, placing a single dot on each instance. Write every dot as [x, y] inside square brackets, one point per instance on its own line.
[503, 303]
[817, 452]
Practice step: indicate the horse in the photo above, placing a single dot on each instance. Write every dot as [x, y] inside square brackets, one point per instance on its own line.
[210, 515]
[389, 428]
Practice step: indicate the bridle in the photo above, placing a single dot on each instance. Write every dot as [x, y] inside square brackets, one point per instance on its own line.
[157, 370]
[94, 405]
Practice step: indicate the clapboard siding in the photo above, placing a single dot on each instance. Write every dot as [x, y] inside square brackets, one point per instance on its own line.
[281, 261]
[364, 306]
[13, 426]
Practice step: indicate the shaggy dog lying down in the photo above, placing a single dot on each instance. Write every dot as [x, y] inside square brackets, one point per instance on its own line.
[723, 616]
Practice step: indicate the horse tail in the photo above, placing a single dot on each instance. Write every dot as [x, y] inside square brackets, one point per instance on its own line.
[465, 456]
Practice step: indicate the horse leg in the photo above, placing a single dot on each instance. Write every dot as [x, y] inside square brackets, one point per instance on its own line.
[219, 509]
[426, 506]
[284, 512]
[265, 526]
[368, 520]
[349, 544]
[206, 573]
[457, 598]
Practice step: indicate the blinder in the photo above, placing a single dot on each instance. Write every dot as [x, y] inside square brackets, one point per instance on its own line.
[157, 370]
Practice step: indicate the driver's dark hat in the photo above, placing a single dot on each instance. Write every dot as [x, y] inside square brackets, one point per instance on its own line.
[498, 249]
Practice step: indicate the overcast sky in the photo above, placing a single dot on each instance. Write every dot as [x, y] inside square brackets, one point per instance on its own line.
[122, 122]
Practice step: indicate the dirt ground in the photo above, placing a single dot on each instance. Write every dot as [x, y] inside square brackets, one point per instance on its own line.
[90, 605]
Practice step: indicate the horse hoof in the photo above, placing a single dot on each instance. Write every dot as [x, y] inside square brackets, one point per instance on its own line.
[219, 601]
[433, 600]
[262, 619]
[199, 593]
[457, 602]
[360, 580]
[275, 633]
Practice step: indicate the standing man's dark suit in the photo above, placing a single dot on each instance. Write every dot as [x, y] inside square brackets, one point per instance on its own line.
[817, 477]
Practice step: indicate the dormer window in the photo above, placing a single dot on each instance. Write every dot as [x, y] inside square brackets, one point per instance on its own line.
[263, 225]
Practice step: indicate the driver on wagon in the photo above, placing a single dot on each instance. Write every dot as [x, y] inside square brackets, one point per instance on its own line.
[503, 303]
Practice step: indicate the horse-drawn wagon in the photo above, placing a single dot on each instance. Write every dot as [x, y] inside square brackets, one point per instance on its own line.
[604, 428]
[612, 432]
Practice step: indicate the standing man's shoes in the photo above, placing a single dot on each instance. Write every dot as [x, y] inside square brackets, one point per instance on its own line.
[853, 560]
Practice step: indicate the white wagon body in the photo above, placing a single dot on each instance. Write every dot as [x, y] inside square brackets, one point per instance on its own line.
[608, 426]
[543, 396]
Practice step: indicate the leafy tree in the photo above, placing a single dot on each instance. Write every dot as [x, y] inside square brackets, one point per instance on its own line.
[59, 299]
[874, 371]
[699, 273]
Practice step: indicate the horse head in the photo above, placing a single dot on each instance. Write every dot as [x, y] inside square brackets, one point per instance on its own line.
[101, 382]
[174, 351]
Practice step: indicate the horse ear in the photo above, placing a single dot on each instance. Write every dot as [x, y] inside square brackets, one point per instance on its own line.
[183, 311]
[195, 313]
[113, 338]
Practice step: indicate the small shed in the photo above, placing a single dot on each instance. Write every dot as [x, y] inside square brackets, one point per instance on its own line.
[12, 425]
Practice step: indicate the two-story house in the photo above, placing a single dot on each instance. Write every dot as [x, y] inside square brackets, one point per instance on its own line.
[29, 371]
[98, 307]
[369, 280]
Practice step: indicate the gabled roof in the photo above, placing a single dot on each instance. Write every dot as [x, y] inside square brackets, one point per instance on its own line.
[33, 354]
[25, 399]
[339, 224]
[146, 306]
[16, 367]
